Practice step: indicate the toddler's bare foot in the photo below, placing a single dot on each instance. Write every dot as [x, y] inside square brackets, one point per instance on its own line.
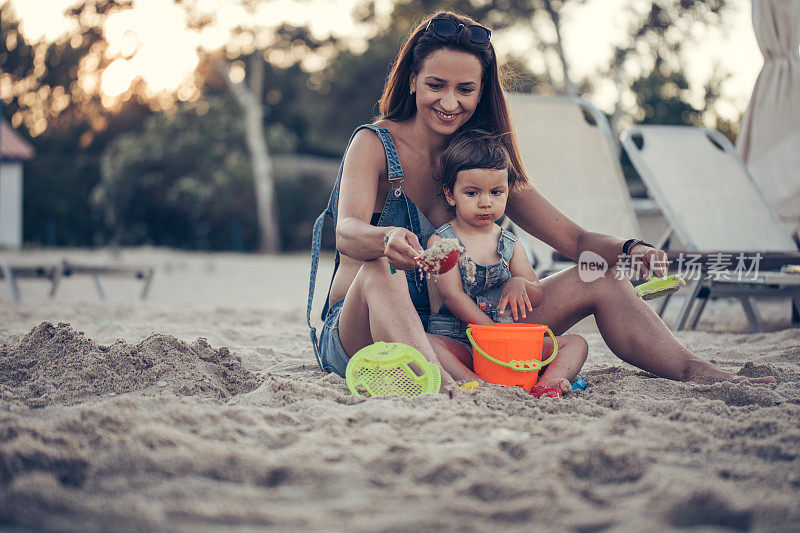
[561, 383]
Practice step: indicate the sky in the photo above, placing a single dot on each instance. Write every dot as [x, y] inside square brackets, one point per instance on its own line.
[152, 41]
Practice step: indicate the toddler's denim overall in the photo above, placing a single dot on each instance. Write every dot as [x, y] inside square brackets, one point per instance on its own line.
[484, 288]
[399, 211]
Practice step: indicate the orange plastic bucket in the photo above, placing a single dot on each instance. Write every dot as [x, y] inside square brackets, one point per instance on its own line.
[509, 354]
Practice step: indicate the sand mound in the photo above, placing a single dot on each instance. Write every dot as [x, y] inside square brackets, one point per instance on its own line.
[58, 365]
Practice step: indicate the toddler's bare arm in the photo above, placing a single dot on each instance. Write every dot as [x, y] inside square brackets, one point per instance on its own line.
[451, 292]
[520, 267]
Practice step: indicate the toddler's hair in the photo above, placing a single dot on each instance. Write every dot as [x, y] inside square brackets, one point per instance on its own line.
[470, 149]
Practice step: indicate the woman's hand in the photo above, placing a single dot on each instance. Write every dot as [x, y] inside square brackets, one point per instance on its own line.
[647, 261]
[515, 294]
[401, 246]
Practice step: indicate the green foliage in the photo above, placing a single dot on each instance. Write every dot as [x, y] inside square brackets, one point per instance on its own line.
[67, 127]
[40, 79]
[346, 94]
[302, 199]
[654, 46]
[16, 55]
[290, 105]
[56, 187]
[184, 180]
[661, 98]
[59, 179]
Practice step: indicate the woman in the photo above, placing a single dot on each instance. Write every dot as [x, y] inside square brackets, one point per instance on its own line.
[386, 204]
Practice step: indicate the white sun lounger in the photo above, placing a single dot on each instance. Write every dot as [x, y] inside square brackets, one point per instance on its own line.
[571, 157]
[716, 211]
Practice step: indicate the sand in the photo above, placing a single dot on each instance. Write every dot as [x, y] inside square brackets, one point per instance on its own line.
[201, 408]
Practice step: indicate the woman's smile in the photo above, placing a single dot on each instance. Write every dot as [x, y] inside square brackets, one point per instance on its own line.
[447, 118]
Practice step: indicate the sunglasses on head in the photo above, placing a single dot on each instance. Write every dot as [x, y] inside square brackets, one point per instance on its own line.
[446, 28]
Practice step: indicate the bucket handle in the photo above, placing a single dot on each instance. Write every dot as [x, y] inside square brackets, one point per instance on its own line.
[520, 366]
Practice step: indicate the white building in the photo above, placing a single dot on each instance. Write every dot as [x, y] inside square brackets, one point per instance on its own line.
[14, 150]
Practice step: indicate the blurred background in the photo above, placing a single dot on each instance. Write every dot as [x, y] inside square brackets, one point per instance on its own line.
[219, 124]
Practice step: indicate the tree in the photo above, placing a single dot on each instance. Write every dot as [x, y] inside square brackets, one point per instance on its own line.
[653, 53]
[50, 92]
[181, 181]
[241, 64]
[553, 9]
[532, 17]
[249, 97]
[660, 97]
[42, 80]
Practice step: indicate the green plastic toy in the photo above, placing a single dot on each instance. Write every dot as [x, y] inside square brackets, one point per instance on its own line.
[384, 368]
[657, 287]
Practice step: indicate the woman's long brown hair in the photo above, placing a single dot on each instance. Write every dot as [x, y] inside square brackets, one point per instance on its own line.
[491, 114]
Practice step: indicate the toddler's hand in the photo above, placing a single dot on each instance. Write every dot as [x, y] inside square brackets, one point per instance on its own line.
[515, 295]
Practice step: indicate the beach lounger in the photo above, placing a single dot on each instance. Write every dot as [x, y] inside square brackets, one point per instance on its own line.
[731, 240]
[55, 273]
[144, 273]
[572, 158]
[12, 273]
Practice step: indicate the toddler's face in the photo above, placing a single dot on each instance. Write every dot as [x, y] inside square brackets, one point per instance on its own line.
[479, 195]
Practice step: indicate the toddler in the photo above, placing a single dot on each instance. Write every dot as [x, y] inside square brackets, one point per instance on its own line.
[493, 274]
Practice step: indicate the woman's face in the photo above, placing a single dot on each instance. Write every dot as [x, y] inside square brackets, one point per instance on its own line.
[447, 89]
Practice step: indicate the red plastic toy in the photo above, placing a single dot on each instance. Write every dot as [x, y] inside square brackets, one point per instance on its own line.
[547, 392]
[434, 265]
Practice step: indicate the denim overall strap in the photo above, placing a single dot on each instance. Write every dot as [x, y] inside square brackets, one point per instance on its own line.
[416, 228]
[505, 245]
[316, 241]
[446, 232]
[395, 175]
[393, 169]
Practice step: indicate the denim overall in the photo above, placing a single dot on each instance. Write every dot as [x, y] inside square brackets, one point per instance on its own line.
[484, 289]
[399, 211]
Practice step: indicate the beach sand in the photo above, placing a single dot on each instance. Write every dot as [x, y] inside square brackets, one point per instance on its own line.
[201, 408]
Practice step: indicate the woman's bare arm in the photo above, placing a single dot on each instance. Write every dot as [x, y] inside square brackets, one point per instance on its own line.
[535, 214]
[364, 167]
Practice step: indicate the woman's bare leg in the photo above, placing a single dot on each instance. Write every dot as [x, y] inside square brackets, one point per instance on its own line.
[630, 328]
[381, 300]
[572, 352]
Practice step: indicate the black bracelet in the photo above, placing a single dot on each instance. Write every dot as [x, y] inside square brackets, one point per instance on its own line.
[630, 243]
